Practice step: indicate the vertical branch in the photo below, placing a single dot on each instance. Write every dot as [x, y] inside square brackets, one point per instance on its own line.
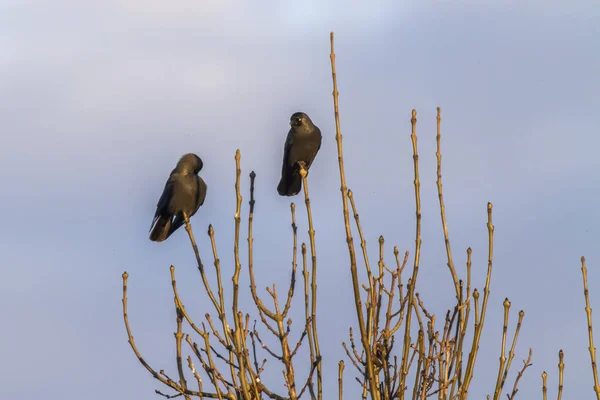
[313, 253]
[463, 329]
[236, 243]
[340, 378]
[210, 369]
[370, 309]
[413, 282]
[438, 155]
[363, 245]
[512, 349]
[288, 303]
[196, 375]
[286, 356]
[479, 323]
[588, 311]
[221, 309]
[255, 375]
[498, 391]
[178, 340]
[561, 368]
[343, 188]
[307, 303]
[363, 242]
[259, 304]
[544, 386]
[239, 350]
[380, 289]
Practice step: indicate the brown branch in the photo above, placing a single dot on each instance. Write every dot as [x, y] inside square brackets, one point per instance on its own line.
[178, 338]
[313, 253]
[219, 306]
[561, 368]
[196, 375]
[458, 351]
[221, 310]
[498, 390]
[340, 378]
[370, 377]
[512, 349]
[262, 309]
[307, 312]
[369, 289]
[288, 302]
[526, 364]
[210, 367]
[237, 339]
[588, 312]
[417, 184]
[464, 389]
[438, 155]
[544, 386]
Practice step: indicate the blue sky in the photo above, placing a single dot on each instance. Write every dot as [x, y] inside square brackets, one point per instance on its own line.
[98, 102]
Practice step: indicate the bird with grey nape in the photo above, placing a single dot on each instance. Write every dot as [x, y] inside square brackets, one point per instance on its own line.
[301, 146]
[183, 194]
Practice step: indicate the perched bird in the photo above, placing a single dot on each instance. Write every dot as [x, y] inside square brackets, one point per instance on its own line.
[302, 144]
[184, 192]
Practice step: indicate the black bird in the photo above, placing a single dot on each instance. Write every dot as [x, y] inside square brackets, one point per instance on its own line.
[184, 192]
[302, 144]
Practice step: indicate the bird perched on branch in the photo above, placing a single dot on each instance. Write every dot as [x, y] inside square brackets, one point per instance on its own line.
[301, 146]
[183, 194]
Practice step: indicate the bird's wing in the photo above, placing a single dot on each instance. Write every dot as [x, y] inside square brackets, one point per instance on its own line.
[287, 147]
[314, 153]
[320, 138]
[320, 141]
[163, 201]
[201, 192]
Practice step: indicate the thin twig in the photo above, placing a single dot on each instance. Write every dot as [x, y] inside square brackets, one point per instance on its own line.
[526, 364]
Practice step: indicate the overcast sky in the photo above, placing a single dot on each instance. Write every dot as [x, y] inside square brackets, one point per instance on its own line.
[98, 102]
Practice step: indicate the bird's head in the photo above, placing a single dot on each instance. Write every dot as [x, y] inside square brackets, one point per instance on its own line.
[190, 162]
[298, 119]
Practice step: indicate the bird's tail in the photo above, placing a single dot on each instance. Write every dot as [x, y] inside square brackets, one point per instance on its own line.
[290, 183]
[161, 229]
